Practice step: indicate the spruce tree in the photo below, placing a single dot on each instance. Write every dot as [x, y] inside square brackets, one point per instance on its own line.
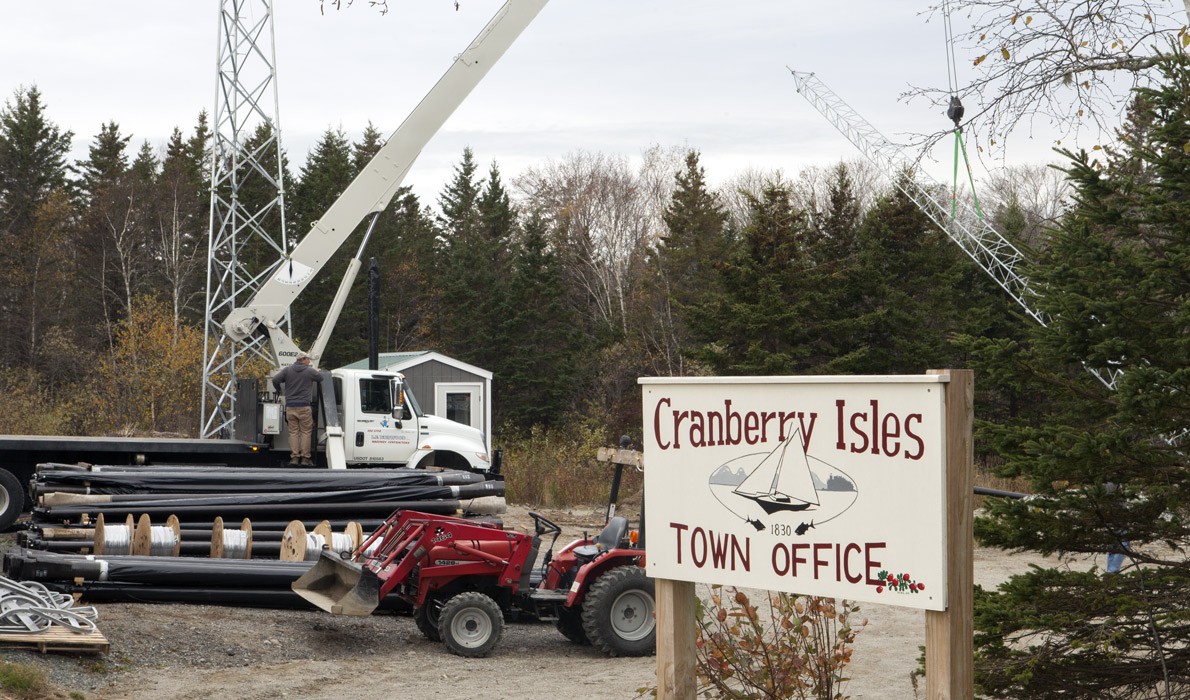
[757, 325]
[33, 154]
[466, 268]
[34, 207]
[1108, 467]
[898, 301]
[543, 345]
[328, 170]
[146, 165]
[369, 145]
[107, 160]
[690, 251]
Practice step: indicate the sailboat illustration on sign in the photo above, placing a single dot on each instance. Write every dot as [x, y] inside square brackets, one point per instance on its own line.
[782, 481]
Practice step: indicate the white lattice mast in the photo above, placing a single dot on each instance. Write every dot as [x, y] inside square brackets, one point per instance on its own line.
[990, 250]
[245, 101]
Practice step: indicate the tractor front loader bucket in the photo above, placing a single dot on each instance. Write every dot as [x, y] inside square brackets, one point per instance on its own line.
[339, 587]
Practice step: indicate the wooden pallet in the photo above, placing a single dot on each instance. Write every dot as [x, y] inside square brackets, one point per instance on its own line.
[57, 639]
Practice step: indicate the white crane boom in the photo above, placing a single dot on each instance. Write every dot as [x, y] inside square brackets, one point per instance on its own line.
[990, 250]
[370, 192]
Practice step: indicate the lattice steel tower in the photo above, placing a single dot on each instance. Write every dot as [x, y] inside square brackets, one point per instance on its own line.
[247, 225]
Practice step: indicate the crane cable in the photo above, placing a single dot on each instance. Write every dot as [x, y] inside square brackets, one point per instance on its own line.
[954, 111]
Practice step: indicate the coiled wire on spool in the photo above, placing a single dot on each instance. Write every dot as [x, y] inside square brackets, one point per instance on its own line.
[299, 545]
[112, 539]
[231, 544]
[157, 541]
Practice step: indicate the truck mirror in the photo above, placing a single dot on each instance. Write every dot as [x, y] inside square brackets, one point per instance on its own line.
[398, 400]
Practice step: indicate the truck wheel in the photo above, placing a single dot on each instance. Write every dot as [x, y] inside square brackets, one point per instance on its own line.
[570, 624]
[12, 499]
[618, 613]
[427, 617]
[471, 624]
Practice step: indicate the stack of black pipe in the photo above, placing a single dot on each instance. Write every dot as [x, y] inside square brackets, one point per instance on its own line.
[70, 496]
[197, 494]
[163, 579]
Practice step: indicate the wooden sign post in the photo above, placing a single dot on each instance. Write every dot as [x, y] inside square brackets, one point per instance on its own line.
[950, 652]
[844, 487]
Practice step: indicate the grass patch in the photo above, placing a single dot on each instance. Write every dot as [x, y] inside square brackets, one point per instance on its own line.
[23, 680]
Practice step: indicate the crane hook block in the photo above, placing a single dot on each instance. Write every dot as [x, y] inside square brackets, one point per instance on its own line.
[955, 110]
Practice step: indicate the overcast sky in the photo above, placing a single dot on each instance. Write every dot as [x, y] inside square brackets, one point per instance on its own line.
[610, 76]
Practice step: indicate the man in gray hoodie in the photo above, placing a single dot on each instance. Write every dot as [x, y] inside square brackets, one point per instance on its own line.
[299, 380]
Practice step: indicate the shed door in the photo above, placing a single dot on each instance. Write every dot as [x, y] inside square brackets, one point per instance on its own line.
[460, 402]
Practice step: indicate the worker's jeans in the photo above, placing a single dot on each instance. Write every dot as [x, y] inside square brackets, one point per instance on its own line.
[301, 427]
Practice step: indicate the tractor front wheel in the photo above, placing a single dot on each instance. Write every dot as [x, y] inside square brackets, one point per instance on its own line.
[618, 613]
[426, 618]
[570, 624]
[470, 624]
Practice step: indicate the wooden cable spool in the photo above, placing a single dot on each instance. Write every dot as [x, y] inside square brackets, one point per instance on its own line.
[143, 542]
[100, 537]
[221, 547]
[299, 545]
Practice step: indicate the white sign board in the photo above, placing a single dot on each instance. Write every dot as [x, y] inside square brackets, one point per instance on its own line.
[830, 486]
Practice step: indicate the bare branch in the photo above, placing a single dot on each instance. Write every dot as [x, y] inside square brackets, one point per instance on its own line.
[1070, 63]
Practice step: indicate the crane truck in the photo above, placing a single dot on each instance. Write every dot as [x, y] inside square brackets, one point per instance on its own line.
[367, 417]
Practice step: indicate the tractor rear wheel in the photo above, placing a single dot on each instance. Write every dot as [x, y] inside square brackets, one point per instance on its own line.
[570, 624]
[618, 613]
[426, 618]
[470, 624]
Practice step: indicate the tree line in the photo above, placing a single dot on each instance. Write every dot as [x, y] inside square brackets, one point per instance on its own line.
[568, 282]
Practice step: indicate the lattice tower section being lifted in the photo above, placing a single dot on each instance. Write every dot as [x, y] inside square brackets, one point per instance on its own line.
[991, 251]
[247, 225]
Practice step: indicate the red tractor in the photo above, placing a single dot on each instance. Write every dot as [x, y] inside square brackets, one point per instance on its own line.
[464, 577]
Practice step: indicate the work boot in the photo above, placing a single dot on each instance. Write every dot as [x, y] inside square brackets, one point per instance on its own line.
[307, 462]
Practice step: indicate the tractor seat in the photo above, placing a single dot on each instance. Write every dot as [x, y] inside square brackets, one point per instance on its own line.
[608, 538]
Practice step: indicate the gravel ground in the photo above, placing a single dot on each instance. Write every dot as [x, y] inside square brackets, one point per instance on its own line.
[197, 652]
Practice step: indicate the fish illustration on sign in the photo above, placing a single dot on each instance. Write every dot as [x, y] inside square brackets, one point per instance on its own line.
[782, 481]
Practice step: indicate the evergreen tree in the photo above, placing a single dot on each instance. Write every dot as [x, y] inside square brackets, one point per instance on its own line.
[115, 231]
[405, 246]
[368, 146]
[898, 301]
[145, 167]
[1108, 468]
[328, 171]
[694, 245]
[757, 325]
[542, 342]
[33, 214]
[464, 268]
[32, 158]
[198, 160]
[458, 200]
[107, 160]
[181, 217]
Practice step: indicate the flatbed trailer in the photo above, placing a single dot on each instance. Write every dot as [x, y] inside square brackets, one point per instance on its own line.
[20, 455]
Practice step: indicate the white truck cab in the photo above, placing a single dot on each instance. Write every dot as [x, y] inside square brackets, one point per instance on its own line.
[383, 425]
